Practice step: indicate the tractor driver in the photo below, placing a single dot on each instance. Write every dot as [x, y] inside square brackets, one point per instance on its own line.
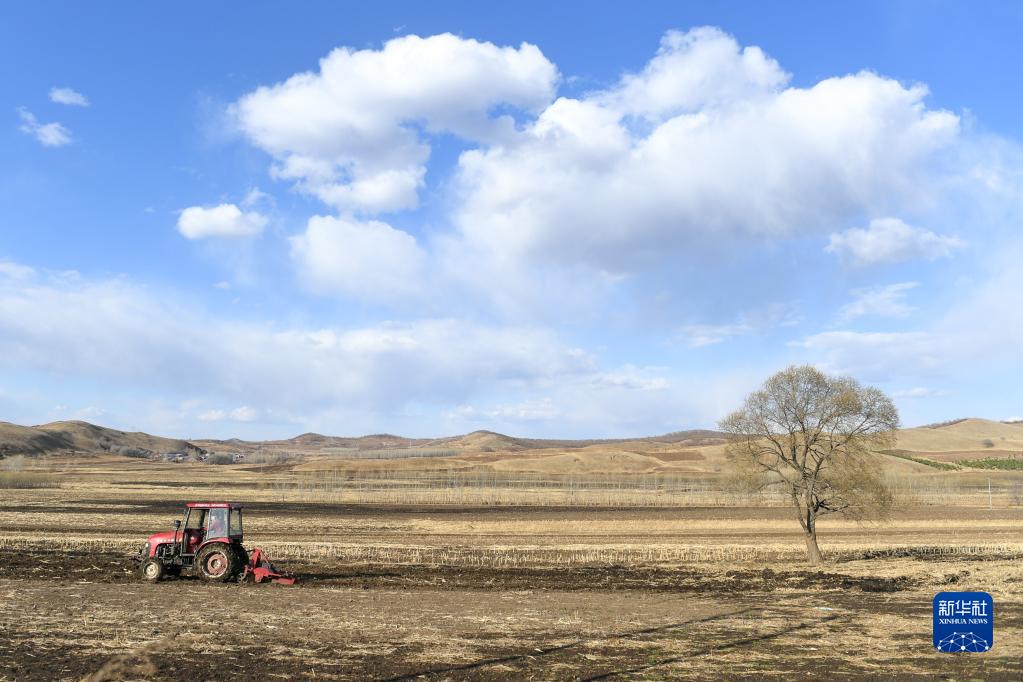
[216, 528]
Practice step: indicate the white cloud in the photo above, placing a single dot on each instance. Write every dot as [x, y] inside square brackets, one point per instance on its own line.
[239, 414]
[87, 413]
[225, 220]
[756, 321]
[705, 145]
[723, 149]
[879, 355]
[979, 327]
[368, 259]
[256, 197]
[120, 335]
[880, 301]
[68, 96]
[890, 240]
[627, 401]
[15, 270]
[143, 345]
[691, 71]
[244, 414]
[147, 348]
[352, 133]
[632, 378]
[47, 134]
[699, 335]
[528, 411]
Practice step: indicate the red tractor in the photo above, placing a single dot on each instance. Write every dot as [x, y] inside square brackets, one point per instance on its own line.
[210, 545]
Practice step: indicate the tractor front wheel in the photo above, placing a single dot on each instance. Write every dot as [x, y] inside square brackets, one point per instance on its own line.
[152, 570]
[217, 563]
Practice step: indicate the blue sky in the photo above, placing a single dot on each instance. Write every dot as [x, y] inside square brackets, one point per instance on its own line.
[247, 220]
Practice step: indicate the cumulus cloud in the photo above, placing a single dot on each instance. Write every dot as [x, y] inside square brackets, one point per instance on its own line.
[890, 240]
[707, 145]
[68, 96]
[724, 148]
[880, 301]
[368, 259]
[691, 71]
[225, 220]
[354, 133]
[47, 134]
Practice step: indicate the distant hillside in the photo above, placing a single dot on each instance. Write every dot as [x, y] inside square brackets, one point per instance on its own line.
[315, 442]
[82, 436]
[964, 438]
[953, 441]
[500, 442]
[26, 440]
[485, 441]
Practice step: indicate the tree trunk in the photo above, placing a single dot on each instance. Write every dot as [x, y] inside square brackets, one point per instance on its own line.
[813, 552]
[807, 517]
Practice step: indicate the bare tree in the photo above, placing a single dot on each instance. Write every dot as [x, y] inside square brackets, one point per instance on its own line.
[815, 437]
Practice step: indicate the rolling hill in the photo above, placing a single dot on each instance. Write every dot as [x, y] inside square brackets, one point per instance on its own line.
[964, 434]
[698, 451]
[477, 441]
[65, 436]
[963, 439]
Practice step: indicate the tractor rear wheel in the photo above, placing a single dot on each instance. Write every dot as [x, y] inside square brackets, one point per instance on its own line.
[152, 570]
[217, 562]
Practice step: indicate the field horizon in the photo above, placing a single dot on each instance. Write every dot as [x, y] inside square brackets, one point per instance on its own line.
[62, 435]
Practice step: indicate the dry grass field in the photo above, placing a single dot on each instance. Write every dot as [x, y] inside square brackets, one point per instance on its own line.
[624, 560]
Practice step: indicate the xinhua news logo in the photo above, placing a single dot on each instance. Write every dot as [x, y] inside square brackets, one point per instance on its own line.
[964, 622]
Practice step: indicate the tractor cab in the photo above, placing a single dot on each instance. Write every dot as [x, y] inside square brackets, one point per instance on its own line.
[207, 522]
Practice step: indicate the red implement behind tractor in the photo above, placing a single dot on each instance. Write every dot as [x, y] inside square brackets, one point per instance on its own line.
[209, 545]
[259, 569]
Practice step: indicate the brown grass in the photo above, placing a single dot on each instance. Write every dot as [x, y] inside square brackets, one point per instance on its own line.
[13, 480]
